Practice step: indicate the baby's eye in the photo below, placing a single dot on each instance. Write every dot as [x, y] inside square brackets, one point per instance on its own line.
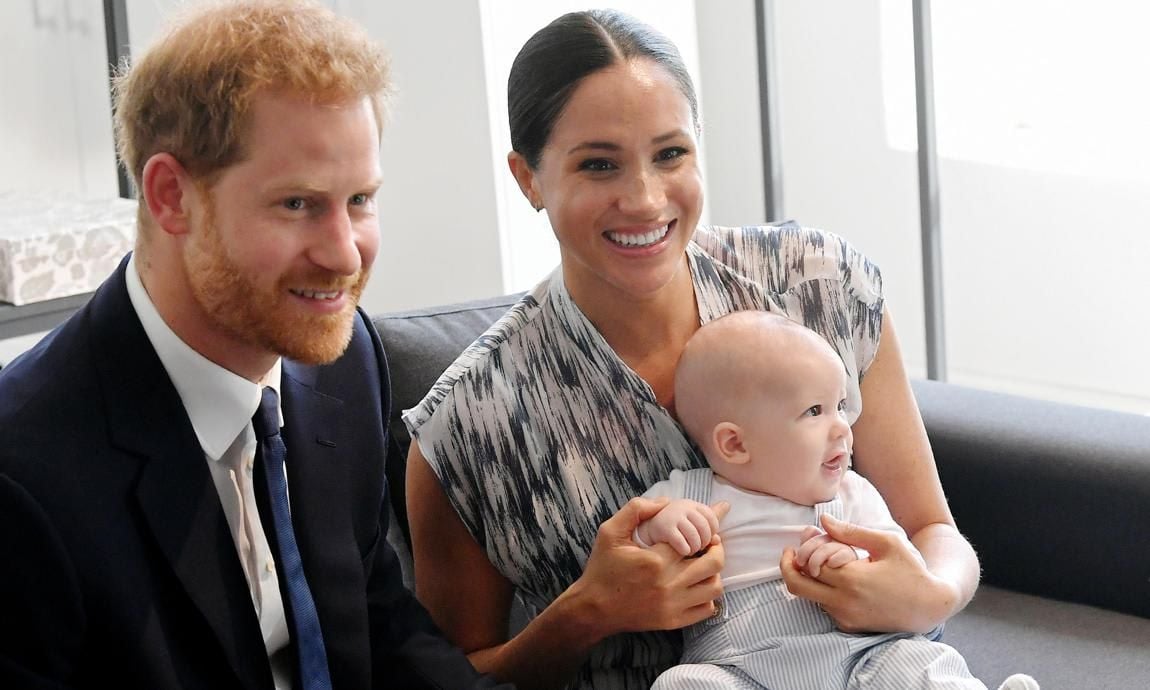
[814, 411]
[843, 405]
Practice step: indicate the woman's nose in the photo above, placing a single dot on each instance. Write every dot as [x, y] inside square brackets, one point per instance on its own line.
[644, 195]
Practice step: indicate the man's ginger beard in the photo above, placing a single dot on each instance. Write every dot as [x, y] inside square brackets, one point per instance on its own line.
[238, 305]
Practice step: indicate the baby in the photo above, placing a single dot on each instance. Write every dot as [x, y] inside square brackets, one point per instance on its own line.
[764, 398]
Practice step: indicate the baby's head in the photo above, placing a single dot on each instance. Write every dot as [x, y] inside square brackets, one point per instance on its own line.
[763, 397]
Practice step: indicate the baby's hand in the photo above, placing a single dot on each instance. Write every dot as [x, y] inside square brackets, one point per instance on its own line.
[819, 551]
[687, 526]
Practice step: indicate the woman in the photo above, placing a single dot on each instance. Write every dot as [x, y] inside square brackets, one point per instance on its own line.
[531, 445]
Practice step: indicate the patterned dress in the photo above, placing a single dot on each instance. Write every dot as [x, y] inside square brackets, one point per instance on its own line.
[539, 432]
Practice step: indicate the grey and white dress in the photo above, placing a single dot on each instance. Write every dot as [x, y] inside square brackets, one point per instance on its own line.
[539, 432]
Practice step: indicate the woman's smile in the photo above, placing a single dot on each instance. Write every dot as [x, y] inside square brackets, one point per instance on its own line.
[631, 238]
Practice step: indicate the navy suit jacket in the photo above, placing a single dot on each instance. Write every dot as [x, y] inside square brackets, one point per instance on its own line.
[119, 569]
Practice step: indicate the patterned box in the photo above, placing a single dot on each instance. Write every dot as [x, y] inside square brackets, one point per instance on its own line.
[53, 247]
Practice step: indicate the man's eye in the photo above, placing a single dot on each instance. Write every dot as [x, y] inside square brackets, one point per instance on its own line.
[597, 165]
[295, 203]
[814, 411]
[359, 199]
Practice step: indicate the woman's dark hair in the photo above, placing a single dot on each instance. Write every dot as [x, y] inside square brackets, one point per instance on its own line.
[553, 62]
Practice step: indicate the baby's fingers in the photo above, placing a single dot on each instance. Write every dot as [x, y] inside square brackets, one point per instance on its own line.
[841, 557]
[703, 528]
[679, 542]
[819, 557]
[808, 548]
[693, 539]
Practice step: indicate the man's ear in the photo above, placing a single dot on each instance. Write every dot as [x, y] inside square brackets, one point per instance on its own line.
[728, 438]
[166, 189]
[525, 176]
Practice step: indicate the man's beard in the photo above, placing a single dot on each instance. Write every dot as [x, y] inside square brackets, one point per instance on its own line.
[237, 305]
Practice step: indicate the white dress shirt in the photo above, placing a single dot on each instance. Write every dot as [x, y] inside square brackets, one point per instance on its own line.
[220, 405]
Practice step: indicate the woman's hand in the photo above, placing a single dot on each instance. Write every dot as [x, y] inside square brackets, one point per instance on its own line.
[627, 588]
[891, 591]
[623, 587]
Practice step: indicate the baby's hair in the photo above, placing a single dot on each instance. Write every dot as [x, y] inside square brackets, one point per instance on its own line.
[711, 379]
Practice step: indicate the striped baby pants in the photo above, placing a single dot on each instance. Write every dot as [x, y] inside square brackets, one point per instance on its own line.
[764, 637]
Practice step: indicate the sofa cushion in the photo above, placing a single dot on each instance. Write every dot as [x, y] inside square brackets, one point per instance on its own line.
[1064, 646]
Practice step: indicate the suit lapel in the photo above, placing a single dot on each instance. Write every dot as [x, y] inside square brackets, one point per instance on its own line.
[177, 497]
[313, 434]
[319, 483]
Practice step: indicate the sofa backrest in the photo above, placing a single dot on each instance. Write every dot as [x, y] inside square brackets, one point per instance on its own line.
[420, 344]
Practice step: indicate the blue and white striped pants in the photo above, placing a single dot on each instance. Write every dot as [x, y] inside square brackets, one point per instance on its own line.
[764, 637]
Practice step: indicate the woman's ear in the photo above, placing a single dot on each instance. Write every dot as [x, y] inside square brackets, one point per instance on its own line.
[525, 176]
[165, 187]
[728, 438]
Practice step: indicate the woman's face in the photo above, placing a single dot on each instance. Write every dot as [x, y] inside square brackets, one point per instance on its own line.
[620, 180]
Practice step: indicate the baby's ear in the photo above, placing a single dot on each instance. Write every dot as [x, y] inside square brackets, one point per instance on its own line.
[728, 438]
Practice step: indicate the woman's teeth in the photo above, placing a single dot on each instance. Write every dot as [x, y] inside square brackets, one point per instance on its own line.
[634, 240]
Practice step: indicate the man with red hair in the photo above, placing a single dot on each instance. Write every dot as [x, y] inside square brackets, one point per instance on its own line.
[191, 478]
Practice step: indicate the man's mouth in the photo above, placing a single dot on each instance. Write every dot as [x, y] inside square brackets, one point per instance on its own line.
[325, 295]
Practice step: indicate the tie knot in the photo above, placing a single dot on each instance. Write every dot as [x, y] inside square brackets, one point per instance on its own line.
[266, 420]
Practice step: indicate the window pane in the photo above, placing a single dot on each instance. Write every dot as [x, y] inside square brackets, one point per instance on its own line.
[1044, 189]
[1045, 197]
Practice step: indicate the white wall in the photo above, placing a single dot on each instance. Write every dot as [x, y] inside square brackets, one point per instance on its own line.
[438, 213]
[729, 76]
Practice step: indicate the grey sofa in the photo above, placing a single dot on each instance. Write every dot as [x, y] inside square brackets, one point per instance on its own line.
[1055, 498]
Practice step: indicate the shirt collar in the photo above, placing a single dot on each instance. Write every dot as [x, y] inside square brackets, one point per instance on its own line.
[219, 403]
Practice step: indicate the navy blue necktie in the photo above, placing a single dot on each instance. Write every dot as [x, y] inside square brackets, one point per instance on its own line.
[304, 620]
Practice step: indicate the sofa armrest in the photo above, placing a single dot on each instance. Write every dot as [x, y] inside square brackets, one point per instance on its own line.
[1055, 498]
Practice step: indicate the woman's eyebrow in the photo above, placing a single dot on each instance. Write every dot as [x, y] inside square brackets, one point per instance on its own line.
[595, 145]
[611, 146]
